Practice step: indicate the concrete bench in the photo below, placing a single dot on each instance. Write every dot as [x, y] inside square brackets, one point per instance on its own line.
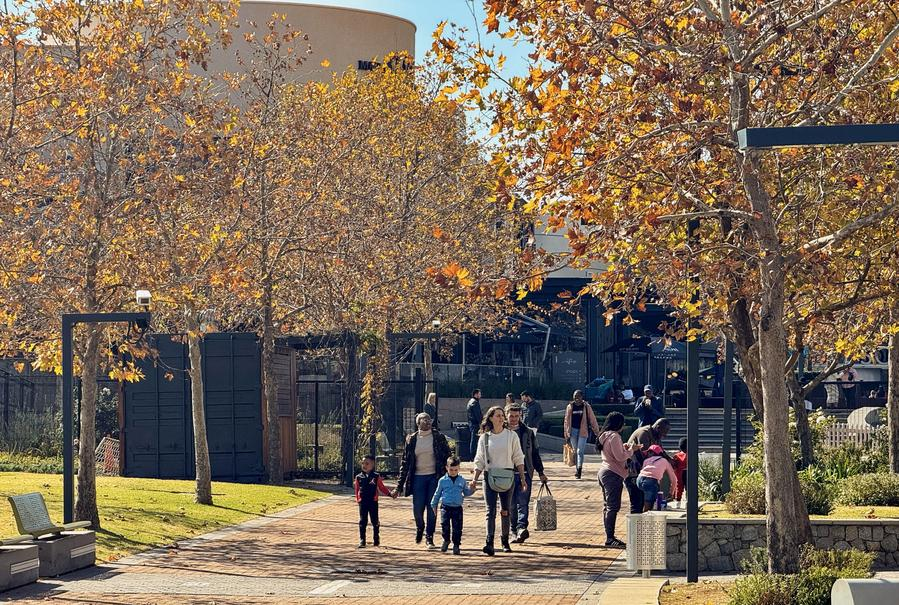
[19, 565]
[865, 592]
[60, 549]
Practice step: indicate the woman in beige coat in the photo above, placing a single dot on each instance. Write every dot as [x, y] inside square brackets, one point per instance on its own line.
[579, 421]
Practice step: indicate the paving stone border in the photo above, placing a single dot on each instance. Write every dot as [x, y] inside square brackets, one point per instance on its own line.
[724, 543]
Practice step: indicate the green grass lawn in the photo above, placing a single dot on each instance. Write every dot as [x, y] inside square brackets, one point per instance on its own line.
[138, 514]
[718, 511]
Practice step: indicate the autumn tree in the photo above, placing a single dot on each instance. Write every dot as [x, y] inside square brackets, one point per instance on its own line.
[624, 131]
[108, 76]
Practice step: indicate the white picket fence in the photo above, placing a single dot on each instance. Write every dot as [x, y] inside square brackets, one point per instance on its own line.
[837, 434]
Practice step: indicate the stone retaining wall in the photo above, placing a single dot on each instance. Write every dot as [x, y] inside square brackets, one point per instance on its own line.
[724, 543]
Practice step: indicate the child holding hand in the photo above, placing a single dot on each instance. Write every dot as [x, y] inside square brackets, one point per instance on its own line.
[451, 490]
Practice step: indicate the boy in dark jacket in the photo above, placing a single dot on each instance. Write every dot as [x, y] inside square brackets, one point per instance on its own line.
[368, 485]
[452, 490]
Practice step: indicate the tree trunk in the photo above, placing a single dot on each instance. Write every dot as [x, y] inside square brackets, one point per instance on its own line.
[270, 395]
[784, 521]
[803, 430]
[893, 395]
[349, 411]
[198, 406]
[748, 354]
[86, 502]
[427, 358]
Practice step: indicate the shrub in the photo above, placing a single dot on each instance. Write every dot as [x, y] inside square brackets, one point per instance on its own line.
[819, 495]
[850, 459]
[710, 475]
[842, 563]
[763, 589]
[26, 463]
[811, 586]
[747, 495]
[872, 489]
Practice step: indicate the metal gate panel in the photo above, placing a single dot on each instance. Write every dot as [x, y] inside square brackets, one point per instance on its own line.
[158, 431]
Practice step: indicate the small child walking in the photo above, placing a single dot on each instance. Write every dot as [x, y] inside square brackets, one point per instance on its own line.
[368, 485]
[451, 490]
[655, 466]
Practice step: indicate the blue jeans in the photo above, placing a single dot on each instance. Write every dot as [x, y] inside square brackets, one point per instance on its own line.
[579, 444]
[473, 442]
[423, 488]
[505, 502]
[650, 489]
[521, 504]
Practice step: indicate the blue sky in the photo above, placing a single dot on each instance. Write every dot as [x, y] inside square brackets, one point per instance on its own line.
[426, 14]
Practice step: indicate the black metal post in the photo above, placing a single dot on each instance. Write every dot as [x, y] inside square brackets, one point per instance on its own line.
[739, 449]
[418, 388]
[68, 463]
[728, 414]
[692, 441]
[69, 320]
[315, 444]
[6, 402]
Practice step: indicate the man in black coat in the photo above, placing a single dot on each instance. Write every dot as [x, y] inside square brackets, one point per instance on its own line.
[424, 462]
[475, 416]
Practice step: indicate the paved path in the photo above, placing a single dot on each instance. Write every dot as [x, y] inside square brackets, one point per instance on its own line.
[308, 555]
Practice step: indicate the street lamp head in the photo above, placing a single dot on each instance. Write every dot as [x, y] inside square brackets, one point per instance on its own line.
[143, 298]
[435, 323]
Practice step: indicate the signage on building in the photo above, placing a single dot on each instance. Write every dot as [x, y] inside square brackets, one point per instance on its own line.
[570, 367]
[397, 62]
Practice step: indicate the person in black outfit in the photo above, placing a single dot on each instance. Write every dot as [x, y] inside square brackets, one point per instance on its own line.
[475, 416]
[368, 485]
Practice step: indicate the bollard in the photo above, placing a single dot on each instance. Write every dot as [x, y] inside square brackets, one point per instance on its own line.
[865, 592]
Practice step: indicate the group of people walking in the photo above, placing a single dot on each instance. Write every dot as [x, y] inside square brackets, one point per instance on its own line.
[506, 455]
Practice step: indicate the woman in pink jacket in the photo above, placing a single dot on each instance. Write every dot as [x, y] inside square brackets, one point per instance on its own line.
[612, 473]
[579, 420]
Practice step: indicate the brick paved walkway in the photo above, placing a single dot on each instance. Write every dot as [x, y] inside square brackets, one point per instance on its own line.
[309, 555]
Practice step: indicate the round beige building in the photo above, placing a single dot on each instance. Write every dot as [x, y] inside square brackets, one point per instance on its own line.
[338, 37]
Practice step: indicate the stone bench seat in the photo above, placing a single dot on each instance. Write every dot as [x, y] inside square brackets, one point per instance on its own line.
[60, 549]
[19, 564]
[881, 591]
[15, 540]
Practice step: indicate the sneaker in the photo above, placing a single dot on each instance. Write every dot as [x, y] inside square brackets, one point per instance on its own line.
[445, 546]
[361, 543]
[457, 550]
[419, 534]
[488, 549]
[615, 543]
[376, 541]
[523, 535]
[430, 542]
[506, 547]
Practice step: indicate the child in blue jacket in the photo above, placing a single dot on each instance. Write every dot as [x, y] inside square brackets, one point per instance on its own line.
[452, 490]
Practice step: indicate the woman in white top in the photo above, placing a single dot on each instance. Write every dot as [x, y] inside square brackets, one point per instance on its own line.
[498, 448]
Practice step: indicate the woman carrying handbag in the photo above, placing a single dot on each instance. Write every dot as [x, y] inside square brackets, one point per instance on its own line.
[498, 453]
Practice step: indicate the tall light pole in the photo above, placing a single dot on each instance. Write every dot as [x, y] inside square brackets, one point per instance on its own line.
[69, 321]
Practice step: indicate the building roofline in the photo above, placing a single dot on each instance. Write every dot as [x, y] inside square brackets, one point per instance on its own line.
[330, 7]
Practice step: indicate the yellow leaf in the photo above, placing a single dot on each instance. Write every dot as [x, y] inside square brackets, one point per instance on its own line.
[326, 63]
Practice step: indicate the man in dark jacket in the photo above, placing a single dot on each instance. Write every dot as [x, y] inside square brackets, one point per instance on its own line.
[643, 437]
[649, 408]
[521, 499]
[533, 412]
[475, 415]
[424, 458]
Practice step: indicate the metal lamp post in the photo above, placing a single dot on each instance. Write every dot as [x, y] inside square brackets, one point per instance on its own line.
[69, 321]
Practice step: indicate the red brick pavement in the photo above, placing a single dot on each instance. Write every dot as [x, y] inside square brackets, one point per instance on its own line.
[318, 545]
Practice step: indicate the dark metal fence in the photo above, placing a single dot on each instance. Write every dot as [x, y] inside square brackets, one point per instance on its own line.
[319, 430]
